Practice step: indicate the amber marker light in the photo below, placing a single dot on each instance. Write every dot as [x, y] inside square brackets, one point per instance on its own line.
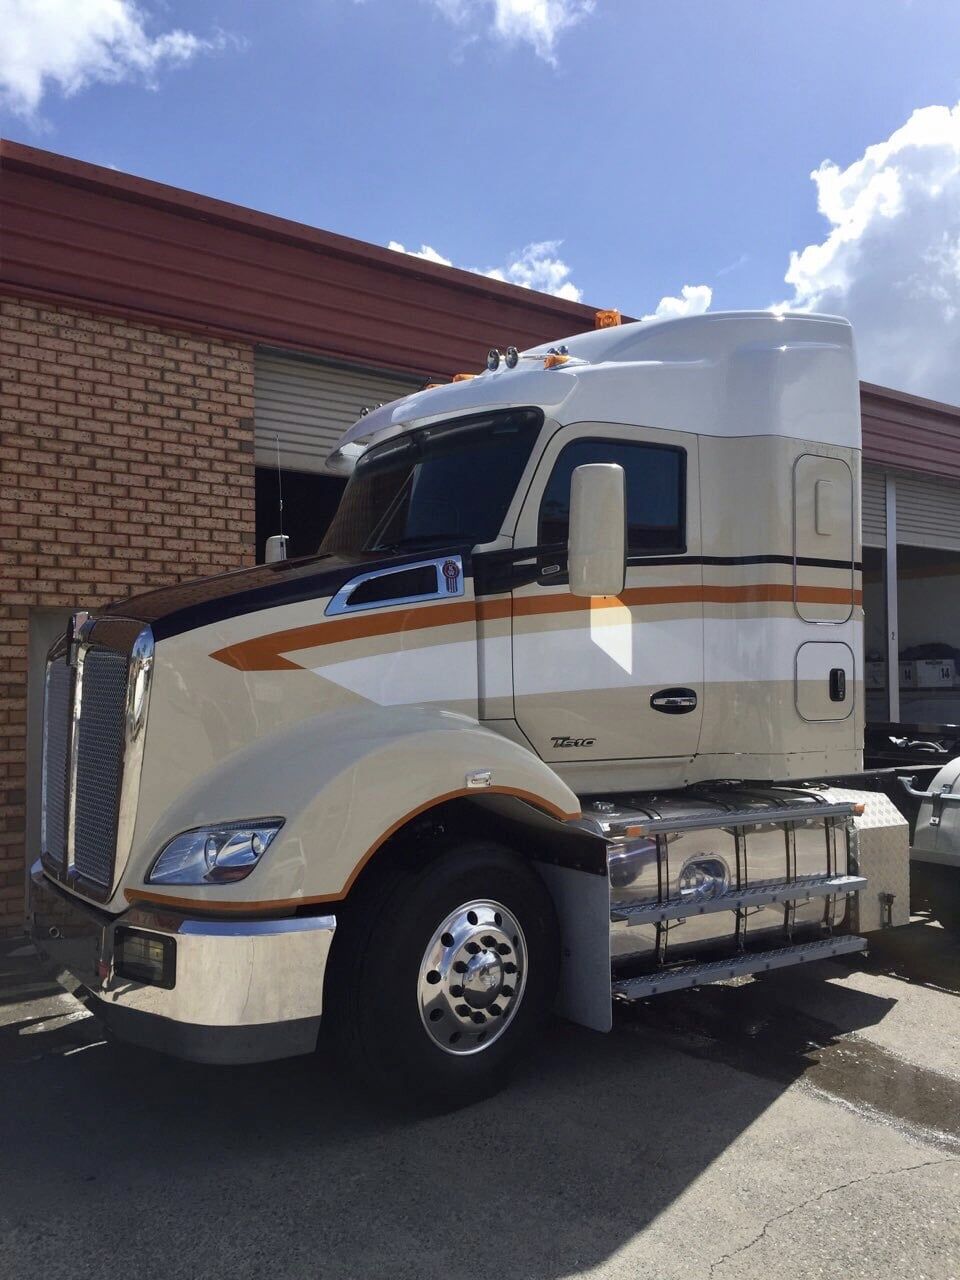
[552, 361]
[464, 377]
[607, 319]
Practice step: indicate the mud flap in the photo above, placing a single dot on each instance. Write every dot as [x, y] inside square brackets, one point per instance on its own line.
[582, 903]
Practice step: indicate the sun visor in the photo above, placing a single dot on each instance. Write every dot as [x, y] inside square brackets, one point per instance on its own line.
[503, 389]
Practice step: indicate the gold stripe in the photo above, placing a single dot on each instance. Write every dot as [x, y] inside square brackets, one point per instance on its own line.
[277, 905]
[265, 653]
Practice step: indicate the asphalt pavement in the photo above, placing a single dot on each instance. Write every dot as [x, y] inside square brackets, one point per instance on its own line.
[806, 1124]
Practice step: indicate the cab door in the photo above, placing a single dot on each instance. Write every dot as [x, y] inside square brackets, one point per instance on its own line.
[612, 678]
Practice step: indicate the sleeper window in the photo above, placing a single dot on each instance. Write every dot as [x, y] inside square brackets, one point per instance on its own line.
[654, 481]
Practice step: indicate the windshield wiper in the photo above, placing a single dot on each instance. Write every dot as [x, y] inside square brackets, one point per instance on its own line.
[419, 540]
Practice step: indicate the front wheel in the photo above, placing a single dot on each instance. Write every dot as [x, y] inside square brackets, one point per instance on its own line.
[444, 975]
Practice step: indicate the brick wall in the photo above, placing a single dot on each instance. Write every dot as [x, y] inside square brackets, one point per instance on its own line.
[126, 456]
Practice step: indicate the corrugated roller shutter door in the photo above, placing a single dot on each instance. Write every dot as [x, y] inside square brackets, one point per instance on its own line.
[309, 405]
[874, 506]
[928, 512]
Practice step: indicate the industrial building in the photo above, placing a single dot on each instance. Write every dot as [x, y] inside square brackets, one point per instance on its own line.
[163, 354]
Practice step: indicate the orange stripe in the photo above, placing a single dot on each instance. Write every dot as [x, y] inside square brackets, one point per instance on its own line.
[275, 905]
[265, 653]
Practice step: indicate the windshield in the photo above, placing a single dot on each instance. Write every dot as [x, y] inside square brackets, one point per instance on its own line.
[447, 483]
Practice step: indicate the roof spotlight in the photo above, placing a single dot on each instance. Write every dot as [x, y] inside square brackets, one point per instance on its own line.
[512, 357]
[493, 359]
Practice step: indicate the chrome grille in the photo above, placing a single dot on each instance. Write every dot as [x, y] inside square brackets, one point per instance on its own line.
[95, 705]
[56, 753]
[99, 747]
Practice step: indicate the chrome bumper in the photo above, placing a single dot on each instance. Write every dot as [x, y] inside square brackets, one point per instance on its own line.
[243, 990]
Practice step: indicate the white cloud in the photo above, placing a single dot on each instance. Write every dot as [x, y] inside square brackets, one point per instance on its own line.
[73, 43]
[891, 259]
[537, 266]
[694, 300]
[425, 251]
[539, 23]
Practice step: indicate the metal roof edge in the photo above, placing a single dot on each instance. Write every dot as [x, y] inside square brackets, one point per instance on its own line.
[119, 185]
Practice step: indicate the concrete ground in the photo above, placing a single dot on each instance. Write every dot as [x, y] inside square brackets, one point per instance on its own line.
[806, 1125]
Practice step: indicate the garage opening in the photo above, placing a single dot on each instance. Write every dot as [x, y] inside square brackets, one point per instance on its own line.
[875, 635]
[302, 407]
[309, 503]
[928, 588]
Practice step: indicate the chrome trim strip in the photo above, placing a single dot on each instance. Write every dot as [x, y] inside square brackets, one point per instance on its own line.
[56, 653]
[255, 928]
[139, 681]
[448, 587]
[78, 640]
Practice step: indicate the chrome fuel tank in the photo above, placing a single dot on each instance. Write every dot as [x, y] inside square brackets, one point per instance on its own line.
[695, 848]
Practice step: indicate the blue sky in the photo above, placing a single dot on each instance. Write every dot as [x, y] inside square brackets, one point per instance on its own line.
[659, 144]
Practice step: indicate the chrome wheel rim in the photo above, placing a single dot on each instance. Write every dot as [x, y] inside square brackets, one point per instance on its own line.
[472, 977]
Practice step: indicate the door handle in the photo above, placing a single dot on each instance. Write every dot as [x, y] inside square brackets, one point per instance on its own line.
[674, 702]
[838, 684]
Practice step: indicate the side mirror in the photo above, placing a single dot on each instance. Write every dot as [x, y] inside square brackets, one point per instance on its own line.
[597, 548]
[276, 548]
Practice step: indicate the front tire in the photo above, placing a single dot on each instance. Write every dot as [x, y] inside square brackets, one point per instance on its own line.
[443, 975]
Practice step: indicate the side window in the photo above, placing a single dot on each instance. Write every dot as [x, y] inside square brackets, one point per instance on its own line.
[654, 478]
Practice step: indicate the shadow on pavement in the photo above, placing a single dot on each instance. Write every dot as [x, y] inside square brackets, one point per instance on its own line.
[111, 1154]
[918, 952]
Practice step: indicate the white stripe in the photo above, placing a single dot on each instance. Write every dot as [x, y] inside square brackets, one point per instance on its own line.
[681, 651]
[738, 649]
[658, 652]
[432, 673]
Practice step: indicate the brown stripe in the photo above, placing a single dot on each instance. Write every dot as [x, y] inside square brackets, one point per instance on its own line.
[265, 653]
[274, 906]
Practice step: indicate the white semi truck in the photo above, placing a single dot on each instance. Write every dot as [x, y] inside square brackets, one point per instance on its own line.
[542, 725]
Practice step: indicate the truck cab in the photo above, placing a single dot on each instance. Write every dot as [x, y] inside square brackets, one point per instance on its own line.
[601, 596]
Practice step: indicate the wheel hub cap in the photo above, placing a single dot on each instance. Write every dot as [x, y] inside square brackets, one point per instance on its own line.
[483, 981]
[472, 977]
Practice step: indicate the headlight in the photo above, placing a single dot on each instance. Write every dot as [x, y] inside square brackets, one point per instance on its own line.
[214, 855]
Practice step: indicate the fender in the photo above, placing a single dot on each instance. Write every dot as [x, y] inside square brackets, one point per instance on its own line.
[344, 782]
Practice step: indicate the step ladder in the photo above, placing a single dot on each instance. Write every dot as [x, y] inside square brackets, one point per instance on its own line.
[800, 890]
[695, 975]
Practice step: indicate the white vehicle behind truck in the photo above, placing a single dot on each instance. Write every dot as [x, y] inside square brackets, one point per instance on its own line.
[542, 725]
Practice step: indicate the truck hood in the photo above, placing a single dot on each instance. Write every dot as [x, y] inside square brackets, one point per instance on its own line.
[170, 611]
